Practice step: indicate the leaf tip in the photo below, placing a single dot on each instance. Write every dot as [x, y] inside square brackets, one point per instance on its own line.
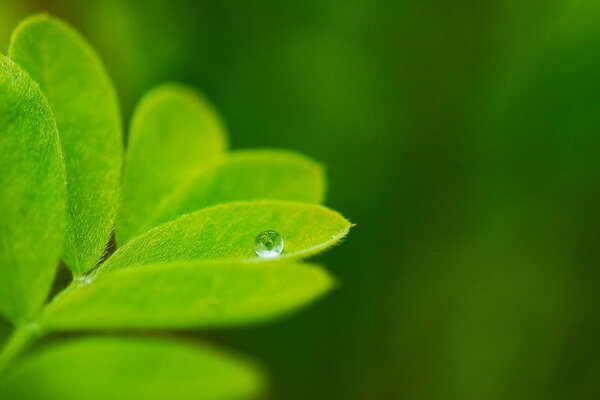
[32, 20]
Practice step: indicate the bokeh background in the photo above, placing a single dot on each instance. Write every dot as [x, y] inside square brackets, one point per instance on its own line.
[463, 137]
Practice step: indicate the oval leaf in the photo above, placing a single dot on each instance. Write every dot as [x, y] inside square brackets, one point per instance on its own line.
[249, 175]
[101, 368]
[87, 114]
[32, 194]
[187, 295]
[227, 232]
[174, 134]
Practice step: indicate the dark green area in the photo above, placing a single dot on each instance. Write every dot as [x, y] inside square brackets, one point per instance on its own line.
[464, 140]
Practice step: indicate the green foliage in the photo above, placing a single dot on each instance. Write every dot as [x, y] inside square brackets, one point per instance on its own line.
[85, 106]
[126, 368]
[189, 217]
[32, 194]
[227, 232]
[184, 295]
[174, 135]
[249, 175]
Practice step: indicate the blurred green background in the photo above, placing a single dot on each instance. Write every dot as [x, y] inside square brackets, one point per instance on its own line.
[462, 137]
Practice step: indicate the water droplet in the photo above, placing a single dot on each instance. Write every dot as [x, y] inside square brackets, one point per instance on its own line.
[85, 280]
[268, 244]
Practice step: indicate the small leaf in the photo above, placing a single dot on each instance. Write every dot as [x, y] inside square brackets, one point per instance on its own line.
[100, 368]
[227, 232]
[32, 194]
[187, 295]
[85, 105]
[174, 134]
[248, 175]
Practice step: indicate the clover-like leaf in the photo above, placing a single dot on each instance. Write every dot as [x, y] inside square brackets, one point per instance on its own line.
[119, 368]
[85, 106]
[248, 175]
[190, 217]
[32, 194]
[187, 295]
[227, 232]
[174, 134]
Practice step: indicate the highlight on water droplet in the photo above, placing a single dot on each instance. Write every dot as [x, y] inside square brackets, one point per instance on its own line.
[85, 280]
[268, 244]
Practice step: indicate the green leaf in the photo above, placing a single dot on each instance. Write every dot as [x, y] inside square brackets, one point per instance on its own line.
[85, 106]
[32, 194]
[187, 295]
[101, 368]
[248, 175]
[174, 134]
[227, 232]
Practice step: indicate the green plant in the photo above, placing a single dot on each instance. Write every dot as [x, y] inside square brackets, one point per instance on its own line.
[186, 212]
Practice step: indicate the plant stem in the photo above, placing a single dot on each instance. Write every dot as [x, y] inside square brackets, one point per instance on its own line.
[21, 337]
[26, 333]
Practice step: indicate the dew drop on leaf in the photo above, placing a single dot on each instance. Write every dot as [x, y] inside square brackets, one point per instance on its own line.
[268, 244]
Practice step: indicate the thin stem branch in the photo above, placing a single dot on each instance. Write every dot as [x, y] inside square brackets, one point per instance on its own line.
[21, 337]
[25, 334]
